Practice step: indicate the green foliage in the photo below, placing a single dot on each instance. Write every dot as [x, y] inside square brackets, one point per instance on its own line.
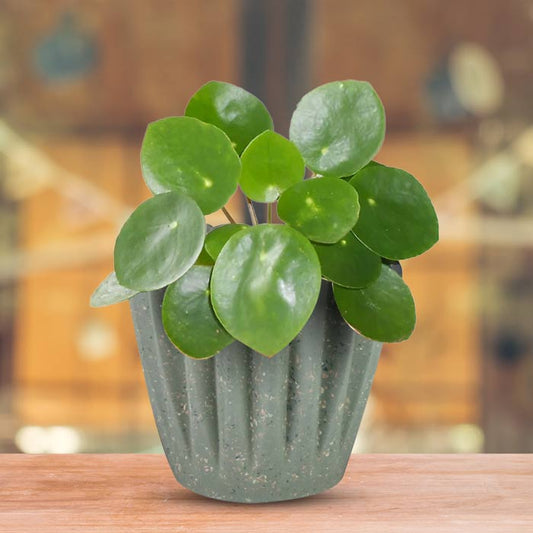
[216, 239]
[339, 127]
[270, 164]
[159, 242]
[188, 316]
[110, 291]
[383, 311]
[184, 154]
[265, 285]
[260, 284]
[204, 258]
[323, 209]
[397, 219]
[235, 111]
[348, 262]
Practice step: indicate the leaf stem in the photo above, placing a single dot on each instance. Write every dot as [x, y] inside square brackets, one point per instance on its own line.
[251, 210]
[228, 216]
[269, 213]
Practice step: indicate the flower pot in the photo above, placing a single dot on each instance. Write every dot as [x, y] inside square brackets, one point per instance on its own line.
[241, 427]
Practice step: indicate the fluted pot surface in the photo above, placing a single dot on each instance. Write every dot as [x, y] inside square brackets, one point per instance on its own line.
[245, 428]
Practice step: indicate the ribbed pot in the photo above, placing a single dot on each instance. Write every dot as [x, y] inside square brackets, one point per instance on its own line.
[244, 428]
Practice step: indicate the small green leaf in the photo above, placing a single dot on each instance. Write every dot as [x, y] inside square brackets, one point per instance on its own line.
[323, 209]
[265, 285]
[270, 164]
[217, 238]
[232, 109]
[185, 154]
[110, 292]
[348, 262]
[397, 219]
[159, 242]
[338, 127]
[204, 258]
[188, 316]
[384, 311]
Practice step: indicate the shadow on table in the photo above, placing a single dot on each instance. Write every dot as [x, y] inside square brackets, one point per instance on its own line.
[330, 497]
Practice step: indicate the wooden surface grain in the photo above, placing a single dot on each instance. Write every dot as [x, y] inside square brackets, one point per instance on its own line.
[112, 493]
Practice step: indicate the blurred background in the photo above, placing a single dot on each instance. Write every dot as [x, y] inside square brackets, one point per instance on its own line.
[80, 80]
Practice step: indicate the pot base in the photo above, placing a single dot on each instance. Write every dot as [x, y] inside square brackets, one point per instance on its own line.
[263, 492]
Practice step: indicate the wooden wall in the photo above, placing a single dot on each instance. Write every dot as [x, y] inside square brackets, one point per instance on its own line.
[150, 58]
[57, 380]
[434, 377]
[398, 45]
[74, 364]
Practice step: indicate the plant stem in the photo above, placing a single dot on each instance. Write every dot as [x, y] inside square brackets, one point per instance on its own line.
[251, 210]
[228, 216]
[269, 214]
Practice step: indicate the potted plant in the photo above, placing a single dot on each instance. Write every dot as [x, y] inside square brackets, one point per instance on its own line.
[259, 342]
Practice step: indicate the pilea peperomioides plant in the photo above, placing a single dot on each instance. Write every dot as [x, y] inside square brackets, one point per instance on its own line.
[259, 284]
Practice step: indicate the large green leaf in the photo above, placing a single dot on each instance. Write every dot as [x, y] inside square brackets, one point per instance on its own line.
[397, 219]
[265, 285]
[188, 316]
[185, 154]
[110, 292]
[348, 262]
[270, 164]
[383, 311]
[159, 242]
[338, 127]
[232, 109]
[323, 209]
[217, 238]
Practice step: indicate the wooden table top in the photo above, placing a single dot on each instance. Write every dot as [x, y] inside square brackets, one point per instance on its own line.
[411, 493]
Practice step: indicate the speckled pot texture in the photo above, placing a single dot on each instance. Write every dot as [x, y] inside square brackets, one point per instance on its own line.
[244, 428]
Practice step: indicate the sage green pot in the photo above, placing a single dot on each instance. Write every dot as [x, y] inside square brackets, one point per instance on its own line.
[241, 427]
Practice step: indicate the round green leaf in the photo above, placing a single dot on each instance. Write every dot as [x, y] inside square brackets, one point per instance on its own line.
[383, 311]
[338, 127]
[110, 292]
[265, 285]
[270, 164]
[397, 219]
[348, 262]
[323, 209]
[159, 242]
[217, 238]
[232, 109]
[185, 154]
[188, 316]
